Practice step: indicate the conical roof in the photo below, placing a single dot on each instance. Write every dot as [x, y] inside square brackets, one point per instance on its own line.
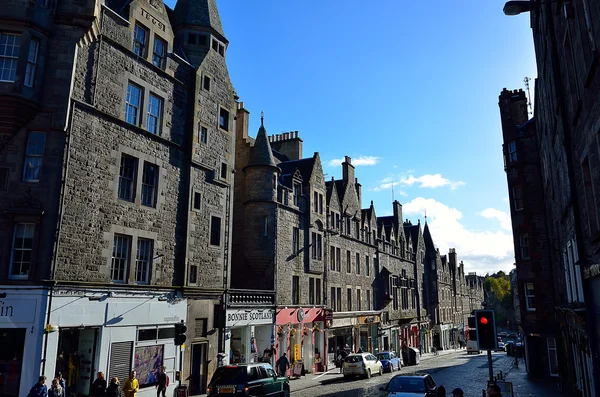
[261, 153]
[202, 13]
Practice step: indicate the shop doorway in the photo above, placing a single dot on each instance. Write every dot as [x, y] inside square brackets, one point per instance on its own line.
[199, 369]
[77, 358]
[12, 341]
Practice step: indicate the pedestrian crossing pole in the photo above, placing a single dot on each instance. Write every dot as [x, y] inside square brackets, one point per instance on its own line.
[490, 365]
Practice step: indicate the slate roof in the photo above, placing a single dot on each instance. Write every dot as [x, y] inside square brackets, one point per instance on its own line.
[202, 13]
[288, 169]
[260, 153]
[429, 244]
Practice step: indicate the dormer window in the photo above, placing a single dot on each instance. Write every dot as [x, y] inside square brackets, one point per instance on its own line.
[159, 52]
[297, 194]
[218, 47]
[140, 39]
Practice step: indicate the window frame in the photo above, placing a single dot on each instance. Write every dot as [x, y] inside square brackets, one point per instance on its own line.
[206, 79]
[512, 152]
[129, 105]
[295, 240]
[196, 195]
[38, 156]
[144, 45]
[311, 291]
[154, 187]
[23, 248]
[348, 299]
[162, 58]
[524, 246]
[154, 121]
[555, 354]
[147, 262]
[518, 197]
[223, 122]
[14, 60]
[31, 65]
[529, 293]
[296, 290]
[220, 232]
[131, 181]
[202, 134]
[128, 239]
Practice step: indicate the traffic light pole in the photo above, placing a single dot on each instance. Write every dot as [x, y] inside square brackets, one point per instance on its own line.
[490, 365]
[180, 365]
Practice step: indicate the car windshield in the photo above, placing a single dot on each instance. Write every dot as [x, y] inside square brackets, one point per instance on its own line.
[383, 356]
[406, 385]
[353, 359]
[229, 375]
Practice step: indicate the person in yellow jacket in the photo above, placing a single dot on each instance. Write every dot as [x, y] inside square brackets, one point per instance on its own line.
[131, 386]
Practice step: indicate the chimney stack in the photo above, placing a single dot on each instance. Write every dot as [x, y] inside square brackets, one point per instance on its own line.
[347, 170]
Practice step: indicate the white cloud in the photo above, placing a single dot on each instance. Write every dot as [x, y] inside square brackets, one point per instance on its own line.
[357, 162]
[501, 216]
[431, 181]
[425, 181]
[481, 251]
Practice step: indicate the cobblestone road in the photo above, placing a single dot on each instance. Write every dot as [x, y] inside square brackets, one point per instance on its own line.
[469, 372]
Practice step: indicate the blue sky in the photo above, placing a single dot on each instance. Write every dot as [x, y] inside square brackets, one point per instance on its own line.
[409, 88]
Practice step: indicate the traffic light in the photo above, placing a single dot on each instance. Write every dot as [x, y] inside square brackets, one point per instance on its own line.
[180, 333]
[472, 328]
[486, 329]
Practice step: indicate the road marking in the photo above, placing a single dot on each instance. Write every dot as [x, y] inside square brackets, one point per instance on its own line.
[325, 373]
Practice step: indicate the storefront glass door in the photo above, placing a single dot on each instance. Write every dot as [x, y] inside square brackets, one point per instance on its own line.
[76, 358]
[12, 341]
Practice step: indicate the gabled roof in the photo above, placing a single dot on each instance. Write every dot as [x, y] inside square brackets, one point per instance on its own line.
[303, 167]
[202, 13]
[429, 244]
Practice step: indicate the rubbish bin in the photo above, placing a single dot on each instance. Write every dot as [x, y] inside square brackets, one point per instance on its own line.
[413, 354]
[510, 349]
[405, 357]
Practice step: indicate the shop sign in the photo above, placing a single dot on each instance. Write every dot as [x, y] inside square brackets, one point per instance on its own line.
[240, 317]
[296, 352]
[368, 319]
[17, 311]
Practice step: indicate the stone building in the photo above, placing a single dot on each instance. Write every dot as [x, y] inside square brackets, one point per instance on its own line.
[565, 125]
[534, 271]
[115, 189]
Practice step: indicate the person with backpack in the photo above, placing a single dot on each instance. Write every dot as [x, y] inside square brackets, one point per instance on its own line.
[163, 382]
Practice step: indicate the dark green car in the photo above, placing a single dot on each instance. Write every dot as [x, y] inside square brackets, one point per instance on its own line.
[258, 379]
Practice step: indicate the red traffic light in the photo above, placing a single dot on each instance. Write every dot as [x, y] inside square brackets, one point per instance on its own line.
[483, 320]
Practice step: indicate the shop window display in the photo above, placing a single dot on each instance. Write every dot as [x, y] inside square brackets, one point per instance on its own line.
[11, 355]
[148, 361]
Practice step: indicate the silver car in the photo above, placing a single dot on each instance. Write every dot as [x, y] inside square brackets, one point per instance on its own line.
[361, 364]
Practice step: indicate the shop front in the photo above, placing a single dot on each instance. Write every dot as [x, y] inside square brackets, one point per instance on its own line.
[441, 336]
[301, 334]
[367, 327]
[249, 332]
[113, 333]
[22, 314]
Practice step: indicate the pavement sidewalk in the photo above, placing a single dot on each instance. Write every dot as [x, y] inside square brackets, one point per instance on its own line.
[525, 387]
[333, 375]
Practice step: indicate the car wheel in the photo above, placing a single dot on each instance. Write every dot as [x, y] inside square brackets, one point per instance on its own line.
[381, 370]
[391, 367]
[368, 373]
[399, 367]
[286, 392]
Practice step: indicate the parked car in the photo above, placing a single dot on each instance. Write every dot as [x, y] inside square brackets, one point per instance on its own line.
[417, 385]
[389, 361]
[361, 364]
[248, 379]
[472, 347]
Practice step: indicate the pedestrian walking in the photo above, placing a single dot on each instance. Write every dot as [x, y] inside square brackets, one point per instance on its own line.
[440, 392]
[56, 389]
[458, 392]
[283, 364]
[163, 382]
[113, 390]
[131, 385]
[39, 389]
[99, 385]
[62, 381]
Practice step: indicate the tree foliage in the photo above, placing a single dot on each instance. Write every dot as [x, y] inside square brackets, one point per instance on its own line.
[500, 296]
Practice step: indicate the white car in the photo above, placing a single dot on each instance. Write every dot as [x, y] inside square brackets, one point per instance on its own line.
[472, 347]
[361, 364]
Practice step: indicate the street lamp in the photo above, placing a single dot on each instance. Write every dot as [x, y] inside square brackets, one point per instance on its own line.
[517, 7]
